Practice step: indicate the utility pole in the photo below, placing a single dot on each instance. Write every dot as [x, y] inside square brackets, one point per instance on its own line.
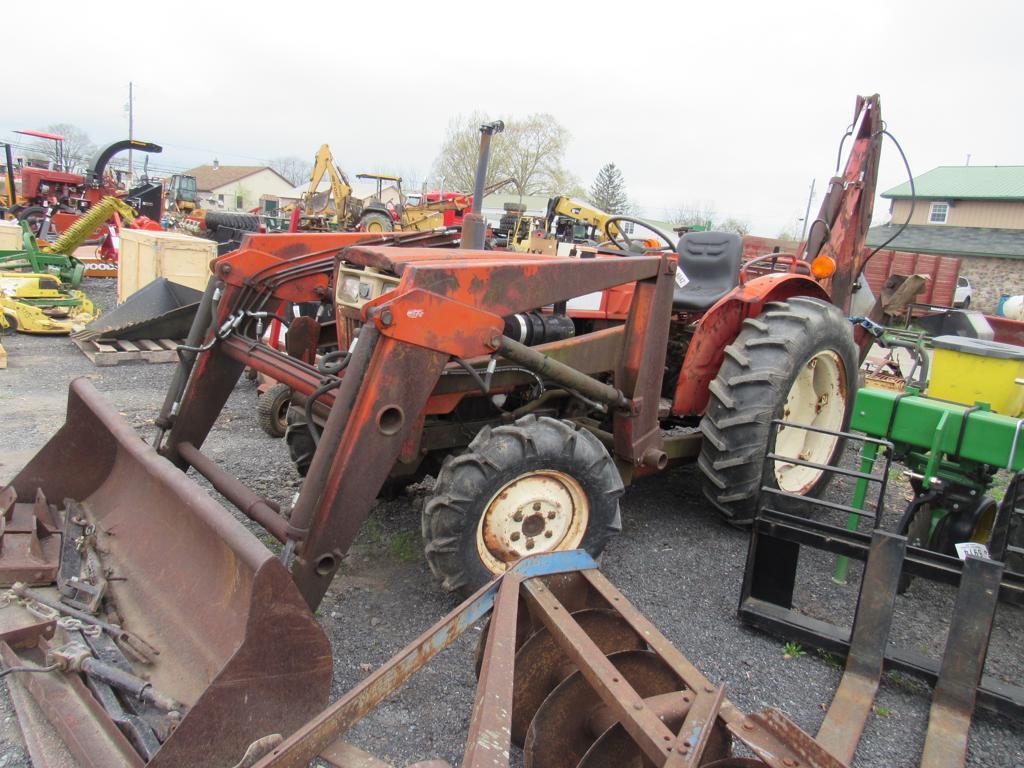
[968, 158]
[131, 130]
[807, 213]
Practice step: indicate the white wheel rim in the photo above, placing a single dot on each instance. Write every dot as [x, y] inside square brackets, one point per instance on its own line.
[539, 511]
[817, 399]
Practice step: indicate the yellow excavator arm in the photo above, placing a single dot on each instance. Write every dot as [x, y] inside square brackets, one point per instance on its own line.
[341, 190]
[578, 211]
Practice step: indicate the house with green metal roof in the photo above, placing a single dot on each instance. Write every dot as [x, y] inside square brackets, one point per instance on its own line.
[974, 212]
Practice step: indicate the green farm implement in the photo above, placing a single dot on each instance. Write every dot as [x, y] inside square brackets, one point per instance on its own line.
[32, 258]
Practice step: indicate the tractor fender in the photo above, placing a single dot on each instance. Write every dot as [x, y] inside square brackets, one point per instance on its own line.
[720, 326]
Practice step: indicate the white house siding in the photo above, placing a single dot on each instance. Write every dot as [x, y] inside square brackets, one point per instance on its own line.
[250, 189]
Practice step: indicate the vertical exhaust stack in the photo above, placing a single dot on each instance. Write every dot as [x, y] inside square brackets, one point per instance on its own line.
[474, 226]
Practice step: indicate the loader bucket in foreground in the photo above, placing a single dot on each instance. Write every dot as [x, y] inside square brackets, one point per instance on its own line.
[237, 644]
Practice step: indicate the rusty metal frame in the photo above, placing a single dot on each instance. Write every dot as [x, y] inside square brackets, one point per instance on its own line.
[534, 594]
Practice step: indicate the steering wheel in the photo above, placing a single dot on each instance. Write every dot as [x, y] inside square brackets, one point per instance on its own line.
[626, 244]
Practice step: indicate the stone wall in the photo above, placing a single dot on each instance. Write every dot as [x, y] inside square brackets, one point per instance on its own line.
[990, 278]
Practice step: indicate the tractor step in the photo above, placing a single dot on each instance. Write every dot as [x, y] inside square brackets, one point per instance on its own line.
[105, 352]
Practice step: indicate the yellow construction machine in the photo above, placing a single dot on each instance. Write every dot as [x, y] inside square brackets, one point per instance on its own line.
[374, 214]
[402, 215]
[567, 220]
[37, 303]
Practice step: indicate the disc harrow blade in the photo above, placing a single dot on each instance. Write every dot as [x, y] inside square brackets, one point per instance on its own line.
[541, 665]
[562, 731]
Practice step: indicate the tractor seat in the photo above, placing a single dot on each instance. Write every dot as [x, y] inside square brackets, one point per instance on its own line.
[711, 261]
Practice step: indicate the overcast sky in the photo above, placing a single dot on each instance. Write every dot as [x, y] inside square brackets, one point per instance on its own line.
[733, 104]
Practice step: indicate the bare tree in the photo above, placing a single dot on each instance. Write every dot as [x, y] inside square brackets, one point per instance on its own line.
[530, 151]
[693, 214]
[75, 152]
[295, 169]
[732, 224]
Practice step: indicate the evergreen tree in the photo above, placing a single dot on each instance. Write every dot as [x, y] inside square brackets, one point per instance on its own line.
[609, 190]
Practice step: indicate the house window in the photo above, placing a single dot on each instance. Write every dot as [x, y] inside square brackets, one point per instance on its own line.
[239, 203]
[939, 213]
[220, 199]
[627, 227]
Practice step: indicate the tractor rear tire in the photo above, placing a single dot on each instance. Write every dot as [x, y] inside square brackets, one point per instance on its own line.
[771, 372]
[514, 208]
[376, 222]
[538, 485]
[272, 410]
[34, 215]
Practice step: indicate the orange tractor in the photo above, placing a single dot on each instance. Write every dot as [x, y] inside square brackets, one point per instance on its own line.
[530, 419]
[458, 362]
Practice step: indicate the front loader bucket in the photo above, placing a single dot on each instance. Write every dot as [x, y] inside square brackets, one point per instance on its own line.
[237, 644]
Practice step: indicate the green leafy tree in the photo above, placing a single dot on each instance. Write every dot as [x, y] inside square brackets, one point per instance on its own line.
[608, 191]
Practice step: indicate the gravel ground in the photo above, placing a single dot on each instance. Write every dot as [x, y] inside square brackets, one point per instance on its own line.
[674, 560]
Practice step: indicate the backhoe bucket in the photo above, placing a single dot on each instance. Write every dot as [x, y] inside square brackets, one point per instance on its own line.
[235, 642]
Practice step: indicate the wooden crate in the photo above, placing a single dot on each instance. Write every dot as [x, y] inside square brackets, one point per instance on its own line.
[146, 255]
[117, 351]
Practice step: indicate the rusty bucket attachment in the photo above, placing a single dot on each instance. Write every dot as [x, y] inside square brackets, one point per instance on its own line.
[199, 642]
[576, 677]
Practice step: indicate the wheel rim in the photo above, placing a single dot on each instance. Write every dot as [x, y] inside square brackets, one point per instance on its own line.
[540, 511]
[817, 399]
[281, 416]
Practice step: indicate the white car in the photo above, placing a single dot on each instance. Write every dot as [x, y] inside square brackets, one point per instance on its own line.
[962, 294]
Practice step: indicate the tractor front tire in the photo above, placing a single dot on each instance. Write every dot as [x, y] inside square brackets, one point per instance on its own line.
[272, 410]
[300, 442]
[538, 485]
[796, 361]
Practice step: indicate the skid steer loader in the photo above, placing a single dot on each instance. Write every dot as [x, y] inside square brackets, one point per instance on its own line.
[456, 361]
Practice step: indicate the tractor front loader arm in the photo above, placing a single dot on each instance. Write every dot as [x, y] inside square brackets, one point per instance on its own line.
[448, 304]
[450, 307]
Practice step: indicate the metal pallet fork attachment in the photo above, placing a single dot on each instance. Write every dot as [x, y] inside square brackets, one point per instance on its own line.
[848, 713]
[963, 661]
[767, 602]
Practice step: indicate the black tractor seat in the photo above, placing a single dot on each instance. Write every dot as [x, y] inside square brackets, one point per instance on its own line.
[711, 261]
